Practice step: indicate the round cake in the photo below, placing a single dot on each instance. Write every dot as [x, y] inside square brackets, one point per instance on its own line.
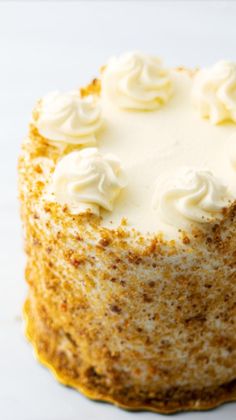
[128, 190]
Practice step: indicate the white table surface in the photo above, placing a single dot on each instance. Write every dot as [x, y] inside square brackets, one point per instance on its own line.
[46, 46]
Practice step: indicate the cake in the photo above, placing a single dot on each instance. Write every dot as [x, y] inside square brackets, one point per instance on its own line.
[127, 190]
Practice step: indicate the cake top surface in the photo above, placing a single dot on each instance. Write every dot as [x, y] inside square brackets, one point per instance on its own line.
[156, 146]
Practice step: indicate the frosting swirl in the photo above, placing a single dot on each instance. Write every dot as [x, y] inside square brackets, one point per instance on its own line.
[68, 118]
[194, 196]
[136, 81]
[87, 180]
[214, 92]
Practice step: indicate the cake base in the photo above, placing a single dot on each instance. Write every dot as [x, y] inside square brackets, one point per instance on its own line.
[71, 373]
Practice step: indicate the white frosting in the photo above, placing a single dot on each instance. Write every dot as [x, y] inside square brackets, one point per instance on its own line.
[68, 118]
[231, 150]
[136, 81]
[150, 144]
[214, 92]
[87, 180]
[194, 195]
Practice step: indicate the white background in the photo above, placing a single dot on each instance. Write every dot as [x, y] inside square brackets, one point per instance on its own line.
[60, 45]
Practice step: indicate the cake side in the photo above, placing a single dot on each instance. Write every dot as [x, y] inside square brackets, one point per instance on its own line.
[90, 383]
[144, 322]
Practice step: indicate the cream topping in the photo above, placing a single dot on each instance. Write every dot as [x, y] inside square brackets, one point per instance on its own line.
[150, 144]
[86, 179]
[194, 195]
[68, 118]
[231, 150]
[214, 92]
[136, 81]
